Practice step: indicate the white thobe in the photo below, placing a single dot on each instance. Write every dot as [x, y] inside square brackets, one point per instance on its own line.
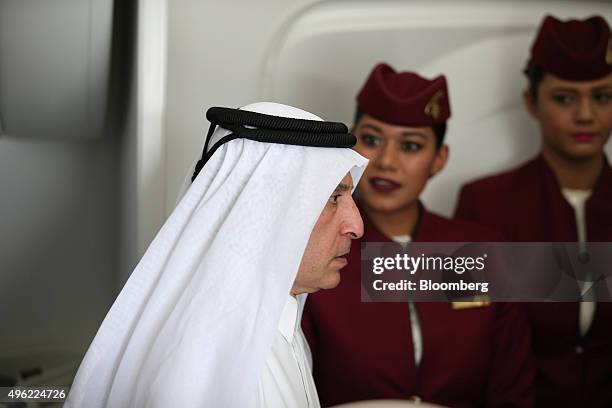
[286, 380]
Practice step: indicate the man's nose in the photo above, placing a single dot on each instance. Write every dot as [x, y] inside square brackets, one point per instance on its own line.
[353, 225]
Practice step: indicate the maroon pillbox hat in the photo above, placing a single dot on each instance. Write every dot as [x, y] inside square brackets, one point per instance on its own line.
[404, 98]
[575, 50]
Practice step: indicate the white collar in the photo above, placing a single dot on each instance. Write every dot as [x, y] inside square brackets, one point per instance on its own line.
[402, 239]
[291, 316]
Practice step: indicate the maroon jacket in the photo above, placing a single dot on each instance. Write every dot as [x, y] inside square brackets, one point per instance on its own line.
[477, 357]
[526, 204]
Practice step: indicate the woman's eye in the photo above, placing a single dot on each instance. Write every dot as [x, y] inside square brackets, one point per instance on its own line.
[563, 99]
[411, 146]
[602, 97]
[370, 140]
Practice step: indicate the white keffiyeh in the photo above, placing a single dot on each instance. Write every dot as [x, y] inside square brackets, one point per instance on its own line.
[195, 321]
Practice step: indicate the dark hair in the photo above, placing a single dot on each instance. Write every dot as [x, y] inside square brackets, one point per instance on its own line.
[534, 74]
[438, 129]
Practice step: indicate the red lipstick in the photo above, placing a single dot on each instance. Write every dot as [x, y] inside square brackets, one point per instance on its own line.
[383, 185]
[584, 137]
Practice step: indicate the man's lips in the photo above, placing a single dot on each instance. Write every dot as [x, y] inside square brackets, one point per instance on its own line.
[342, 257]
[383, 185]
[341, 260]
[584, 137]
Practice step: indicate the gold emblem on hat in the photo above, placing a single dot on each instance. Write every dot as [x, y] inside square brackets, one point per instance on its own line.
[609, 53]
[433, 106]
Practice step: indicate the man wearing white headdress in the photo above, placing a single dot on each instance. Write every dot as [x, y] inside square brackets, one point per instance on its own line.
[210, 316]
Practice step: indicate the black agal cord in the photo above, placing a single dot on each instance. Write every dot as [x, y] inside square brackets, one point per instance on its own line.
[272, 129]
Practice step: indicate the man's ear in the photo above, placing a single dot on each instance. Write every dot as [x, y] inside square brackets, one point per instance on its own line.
[530, 103]
[440, 160]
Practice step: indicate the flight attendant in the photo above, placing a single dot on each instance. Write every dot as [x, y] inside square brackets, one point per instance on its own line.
[444, 353]
[563, 194]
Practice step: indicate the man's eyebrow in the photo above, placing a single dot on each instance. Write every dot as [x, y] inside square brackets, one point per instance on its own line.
[341, 188]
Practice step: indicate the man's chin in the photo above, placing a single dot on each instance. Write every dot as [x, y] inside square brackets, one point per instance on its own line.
[333, 280]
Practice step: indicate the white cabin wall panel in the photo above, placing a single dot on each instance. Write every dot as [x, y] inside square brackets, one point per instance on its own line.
[216, 55]
[316, 54]
[327, 79]
[327, 52]
[490, 131]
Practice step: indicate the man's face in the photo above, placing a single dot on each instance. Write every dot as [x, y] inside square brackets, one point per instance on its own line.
[401, 161]
[329, 242]
[575, 116]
